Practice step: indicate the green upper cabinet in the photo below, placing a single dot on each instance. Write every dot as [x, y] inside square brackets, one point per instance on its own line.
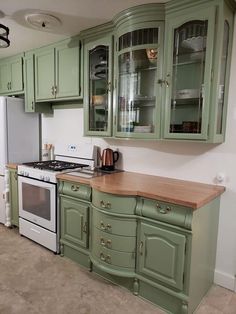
[197, 41]
[138, 67]
[11, 75]
[98, 59]
[57, 71]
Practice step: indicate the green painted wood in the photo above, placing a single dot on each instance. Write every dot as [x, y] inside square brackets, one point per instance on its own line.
[107, 115]
[4, 77]
[82, 258]
[114, 225]
[114, 203]
[112, 257]
[11, 75]
[44, 73]
[166, 212]
[13, 197]
[68, 69]
[76, 190]
[162, 255]
[74, 221]
[112, 241]
[172, 23]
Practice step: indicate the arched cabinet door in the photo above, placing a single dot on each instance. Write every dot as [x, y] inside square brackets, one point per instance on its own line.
[161, 255]
[189, 46]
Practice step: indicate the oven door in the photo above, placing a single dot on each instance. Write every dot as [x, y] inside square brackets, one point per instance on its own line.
[37, 202]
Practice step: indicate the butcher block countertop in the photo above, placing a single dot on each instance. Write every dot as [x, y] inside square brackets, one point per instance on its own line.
[12, 166]
[186, 193]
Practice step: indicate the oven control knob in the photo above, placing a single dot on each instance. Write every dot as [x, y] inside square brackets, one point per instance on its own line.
[41, 178]
[47, 179]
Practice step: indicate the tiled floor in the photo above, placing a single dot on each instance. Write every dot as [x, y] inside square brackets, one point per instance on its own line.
[218, 301]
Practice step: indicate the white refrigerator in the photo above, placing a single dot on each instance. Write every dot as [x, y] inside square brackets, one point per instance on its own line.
[19, 140]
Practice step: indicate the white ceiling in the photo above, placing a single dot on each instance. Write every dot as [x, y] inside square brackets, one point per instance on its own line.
[75, 15]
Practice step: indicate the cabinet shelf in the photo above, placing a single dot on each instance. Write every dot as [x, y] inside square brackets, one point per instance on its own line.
[138, 70]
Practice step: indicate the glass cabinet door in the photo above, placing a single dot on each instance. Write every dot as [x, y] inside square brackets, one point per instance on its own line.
[98, 88]
[138, 67]
[188, 78]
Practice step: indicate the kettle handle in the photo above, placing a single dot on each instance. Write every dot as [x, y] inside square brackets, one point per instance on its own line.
[116, 156]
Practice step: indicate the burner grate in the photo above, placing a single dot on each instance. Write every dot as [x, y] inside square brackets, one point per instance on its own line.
[54, 165]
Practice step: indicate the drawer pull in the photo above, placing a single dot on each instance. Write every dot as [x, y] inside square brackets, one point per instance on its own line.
[105, 243]
[102, 257]
[105, 205]
[105, 227]
[75, 188]
[165, 210]
[141, 248]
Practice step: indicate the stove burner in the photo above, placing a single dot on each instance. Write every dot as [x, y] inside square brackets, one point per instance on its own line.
[54, 165]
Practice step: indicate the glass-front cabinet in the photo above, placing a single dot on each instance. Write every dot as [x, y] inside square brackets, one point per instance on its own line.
[98, 94]
[138, 68]
[188, 76]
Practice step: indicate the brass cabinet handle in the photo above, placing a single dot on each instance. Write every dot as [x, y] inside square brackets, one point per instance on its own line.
[104, 227]
[105, 205]
[141, 248]
[85, 228]
[165, 210]
[53, 90]
[109, 86]
[102, 257]
[105, 243]
[105, 258]
[75, 188]
[8, 85]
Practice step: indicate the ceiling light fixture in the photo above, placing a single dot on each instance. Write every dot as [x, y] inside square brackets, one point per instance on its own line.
[4, 32]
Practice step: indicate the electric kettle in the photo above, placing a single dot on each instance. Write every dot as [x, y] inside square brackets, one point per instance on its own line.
[108, 159]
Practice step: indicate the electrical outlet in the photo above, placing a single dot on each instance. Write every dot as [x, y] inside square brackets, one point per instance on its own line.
[72, 148]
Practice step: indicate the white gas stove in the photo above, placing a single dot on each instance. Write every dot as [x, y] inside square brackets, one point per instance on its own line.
[37, 188]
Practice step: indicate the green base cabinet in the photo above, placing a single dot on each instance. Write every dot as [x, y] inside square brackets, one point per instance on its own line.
[74, 221]
[160, 251]
[13, 197]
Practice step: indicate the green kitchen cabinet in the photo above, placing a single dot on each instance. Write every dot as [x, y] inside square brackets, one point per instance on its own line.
[74, 200]
[58, 71]
[139, 39]
[198, 51]
[11, 75]
[13, 197]
[74, 218]
[98, 69]
[29, 80]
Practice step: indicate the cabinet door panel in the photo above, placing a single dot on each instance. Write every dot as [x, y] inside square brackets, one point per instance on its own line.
[68, 69]
[98, 87]
[4, 78]
[189, 46]
[162, 255]
[14, 197]
[16, 74]
[44, 74]
[74, 221]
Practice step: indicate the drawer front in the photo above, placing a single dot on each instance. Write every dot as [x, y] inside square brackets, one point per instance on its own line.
[166, 212]
[114, 203]
[77, 190]
[114, 225]
[116, 258]
[113, 242]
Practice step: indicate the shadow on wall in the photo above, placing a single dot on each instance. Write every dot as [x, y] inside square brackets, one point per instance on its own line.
[170, 147]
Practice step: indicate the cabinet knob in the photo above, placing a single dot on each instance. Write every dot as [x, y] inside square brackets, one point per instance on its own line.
[105, 205]
[74, 188]
[102, 257]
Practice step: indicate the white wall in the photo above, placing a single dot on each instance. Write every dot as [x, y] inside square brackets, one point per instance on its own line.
[191, 161]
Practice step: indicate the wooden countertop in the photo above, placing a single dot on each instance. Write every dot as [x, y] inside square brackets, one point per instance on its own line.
[12, 166]
[181, 192]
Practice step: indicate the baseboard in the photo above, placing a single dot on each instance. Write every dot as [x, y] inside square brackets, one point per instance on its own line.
[224, 280]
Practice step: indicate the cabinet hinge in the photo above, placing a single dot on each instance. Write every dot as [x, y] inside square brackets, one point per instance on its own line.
[116, 45]
[80, 44]
[183, 278]
[80, 90]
